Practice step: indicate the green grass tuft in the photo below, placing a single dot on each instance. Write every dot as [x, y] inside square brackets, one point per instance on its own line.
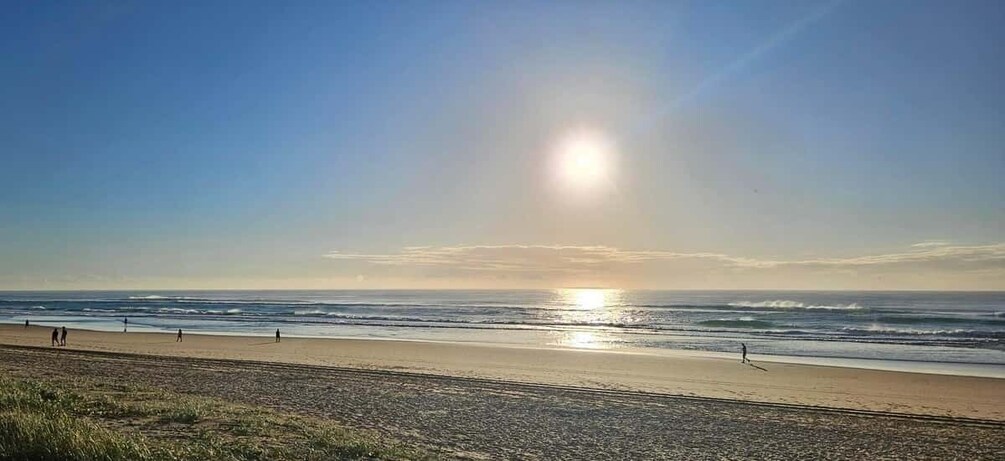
[47, 435]
[187, 415]
[87, 420]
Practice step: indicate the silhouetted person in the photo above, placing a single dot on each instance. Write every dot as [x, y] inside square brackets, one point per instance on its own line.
[55, 337]
[744, 359]
[125, 324]
[277, 335]
[62, 338]
[25, 324]
[179, 336]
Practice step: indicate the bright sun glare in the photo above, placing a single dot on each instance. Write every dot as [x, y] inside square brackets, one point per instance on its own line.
[588, 306]
[584, 159]
[590, 299]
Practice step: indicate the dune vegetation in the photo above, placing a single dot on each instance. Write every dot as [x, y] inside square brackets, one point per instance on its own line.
[91, 420]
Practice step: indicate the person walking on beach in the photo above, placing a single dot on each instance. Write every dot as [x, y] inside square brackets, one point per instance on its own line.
[25, 324]
[125, 324]
[744, 359]
[277, 335]
[179, 336]
[55, 337]
[62, 338]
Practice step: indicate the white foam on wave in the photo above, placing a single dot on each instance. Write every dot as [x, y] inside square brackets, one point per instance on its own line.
[177, 310]
[875, 328]
[180, 310]
[786, 304]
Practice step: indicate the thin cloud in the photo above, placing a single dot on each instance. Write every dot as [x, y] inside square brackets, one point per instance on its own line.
[540, 259]
[931, 243]
[927, 253]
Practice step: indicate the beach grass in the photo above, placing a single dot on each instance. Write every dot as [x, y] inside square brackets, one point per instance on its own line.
[90, 420]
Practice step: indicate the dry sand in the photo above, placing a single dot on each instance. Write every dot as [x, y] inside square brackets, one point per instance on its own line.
[470, 418]
[686, 375]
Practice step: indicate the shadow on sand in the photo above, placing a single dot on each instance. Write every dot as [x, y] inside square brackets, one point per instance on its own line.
[755, 366]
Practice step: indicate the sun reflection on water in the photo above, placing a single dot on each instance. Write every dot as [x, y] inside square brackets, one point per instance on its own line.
[581, 339]
[591, 309]
[589, 298]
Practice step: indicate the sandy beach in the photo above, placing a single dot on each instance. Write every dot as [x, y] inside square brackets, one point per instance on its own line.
[678, 375]
[469, 418]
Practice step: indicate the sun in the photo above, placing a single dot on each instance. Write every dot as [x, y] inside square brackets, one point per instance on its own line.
[583, 159]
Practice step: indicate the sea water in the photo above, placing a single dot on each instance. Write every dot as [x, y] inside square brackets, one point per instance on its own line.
[920, 327]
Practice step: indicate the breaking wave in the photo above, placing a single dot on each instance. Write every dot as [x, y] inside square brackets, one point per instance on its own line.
[880, 329]
[742, 322]
[785, 304]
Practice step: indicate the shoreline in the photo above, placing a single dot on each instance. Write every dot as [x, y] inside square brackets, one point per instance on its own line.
[679, 374]
[946, 368]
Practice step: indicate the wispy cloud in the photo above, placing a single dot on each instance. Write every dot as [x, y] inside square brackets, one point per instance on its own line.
[573, 258]
[931, 243]
[927, 253]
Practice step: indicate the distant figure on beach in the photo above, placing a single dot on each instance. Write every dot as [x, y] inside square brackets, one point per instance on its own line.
[62, 338]
[179, 336]
[26, 324]
[55, 337]
[277, 335]
[744, 359]
[125, 324]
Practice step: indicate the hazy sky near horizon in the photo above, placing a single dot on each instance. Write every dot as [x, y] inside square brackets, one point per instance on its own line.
[733, 145]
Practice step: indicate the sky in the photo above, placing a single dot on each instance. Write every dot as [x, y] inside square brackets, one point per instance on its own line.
[762, 144]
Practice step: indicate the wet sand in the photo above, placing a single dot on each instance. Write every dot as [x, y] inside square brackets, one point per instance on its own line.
[669, 374]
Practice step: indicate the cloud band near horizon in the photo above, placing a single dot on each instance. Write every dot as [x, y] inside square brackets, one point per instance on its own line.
[983, 265]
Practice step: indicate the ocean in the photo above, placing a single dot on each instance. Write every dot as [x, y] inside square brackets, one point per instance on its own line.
[920, 327]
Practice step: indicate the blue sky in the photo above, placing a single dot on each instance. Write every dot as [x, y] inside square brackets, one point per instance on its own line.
[752, 144]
